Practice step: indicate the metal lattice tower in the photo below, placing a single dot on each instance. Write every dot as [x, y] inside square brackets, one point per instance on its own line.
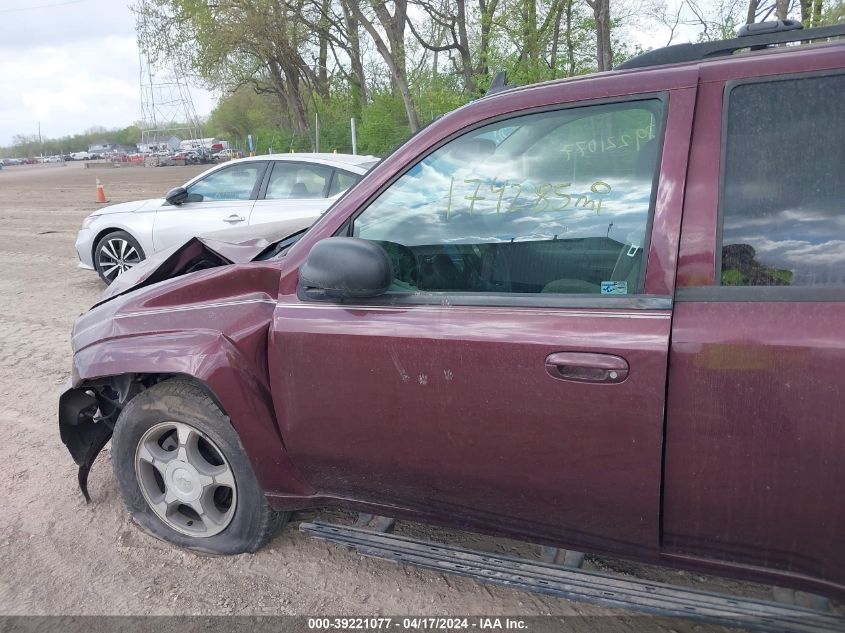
[167, 108]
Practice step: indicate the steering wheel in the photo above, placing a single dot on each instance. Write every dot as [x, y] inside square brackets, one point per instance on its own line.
[405, 267]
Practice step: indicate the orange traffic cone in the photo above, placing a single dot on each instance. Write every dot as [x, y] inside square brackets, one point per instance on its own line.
[101, 193]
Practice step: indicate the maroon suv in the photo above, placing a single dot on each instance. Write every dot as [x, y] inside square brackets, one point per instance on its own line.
[604, 313]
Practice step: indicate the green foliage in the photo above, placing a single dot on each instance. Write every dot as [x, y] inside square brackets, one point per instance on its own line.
[435, 96]
[127, 136]
[732, 277]
[383, 125]
[239, 114]
[28, 145]
[835, 14]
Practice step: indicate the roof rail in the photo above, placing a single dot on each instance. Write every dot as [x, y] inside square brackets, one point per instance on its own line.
[774, 26]
[753, 36]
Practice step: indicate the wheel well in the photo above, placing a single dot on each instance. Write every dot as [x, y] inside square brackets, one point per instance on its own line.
[87, 414]
[101, 235]
[122, 388]
[97, 239]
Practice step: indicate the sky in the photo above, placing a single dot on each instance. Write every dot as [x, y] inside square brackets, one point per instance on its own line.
[73, 64]
[70, 65]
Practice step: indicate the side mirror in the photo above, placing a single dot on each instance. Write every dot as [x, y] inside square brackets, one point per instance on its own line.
[347, 268]
[176, 196]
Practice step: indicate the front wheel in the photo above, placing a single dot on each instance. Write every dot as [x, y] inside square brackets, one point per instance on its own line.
[116, 253]
[185, 477]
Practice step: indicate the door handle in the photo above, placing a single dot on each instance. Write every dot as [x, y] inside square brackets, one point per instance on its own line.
[587, 367]
[234, 218]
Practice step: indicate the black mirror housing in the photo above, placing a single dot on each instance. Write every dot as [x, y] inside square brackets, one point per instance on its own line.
[346, 268]
[176, 196]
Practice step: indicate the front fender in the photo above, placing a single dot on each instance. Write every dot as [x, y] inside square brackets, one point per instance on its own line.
[213, 361]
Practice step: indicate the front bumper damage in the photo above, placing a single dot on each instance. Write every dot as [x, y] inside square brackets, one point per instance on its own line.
[86, 423]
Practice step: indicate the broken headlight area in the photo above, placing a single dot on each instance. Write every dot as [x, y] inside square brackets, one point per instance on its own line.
[87, 415]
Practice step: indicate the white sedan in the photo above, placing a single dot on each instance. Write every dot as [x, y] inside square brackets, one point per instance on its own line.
[245, 192]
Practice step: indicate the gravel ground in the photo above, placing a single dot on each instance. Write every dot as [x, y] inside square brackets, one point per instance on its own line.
[59, 556]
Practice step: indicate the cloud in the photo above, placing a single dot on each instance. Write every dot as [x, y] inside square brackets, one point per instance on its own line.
[71, 67]
[24, 27]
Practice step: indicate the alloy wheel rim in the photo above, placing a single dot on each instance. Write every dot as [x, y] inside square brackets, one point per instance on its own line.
[116, 256]
[185, 479]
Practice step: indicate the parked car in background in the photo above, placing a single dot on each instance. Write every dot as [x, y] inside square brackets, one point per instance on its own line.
[228, 154]
[602, 313]
[250, 191]
[193, 156]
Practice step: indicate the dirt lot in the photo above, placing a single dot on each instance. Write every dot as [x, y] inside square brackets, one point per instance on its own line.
[61, 556]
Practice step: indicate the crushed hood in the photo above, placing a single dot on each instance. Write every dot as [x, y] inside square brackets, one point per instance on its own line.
[221, 248]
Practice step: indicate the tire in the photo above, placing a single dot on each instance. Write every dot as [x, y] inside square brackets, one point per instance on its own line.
[115, 253]
[155, 502]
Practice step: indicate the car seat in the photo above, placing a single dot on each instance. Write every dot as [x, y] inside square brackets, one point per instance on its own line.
[299, 190]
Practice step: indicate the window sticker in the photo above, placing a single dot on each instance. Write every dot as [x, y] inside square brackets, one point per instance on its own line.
[614, 287]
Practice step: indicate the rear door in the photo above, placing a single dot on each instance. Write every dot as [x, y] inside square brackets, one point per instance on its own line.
[292, 190]
[222, 199]
[755, 457]
[514, 377]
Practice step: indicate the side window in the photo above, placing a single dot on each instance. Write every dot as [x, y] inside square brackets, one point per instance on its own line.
[555, 202]
[235, 182]
[342, 181]
[783, 194]
[297, 180]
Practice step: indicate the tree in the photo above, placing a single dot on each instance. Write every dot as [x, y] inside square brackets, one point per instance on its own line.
[449, 23]
[240, 113]
[391, 47]
[834, 15]
[604, 50]
[487, 13]
[259, 43]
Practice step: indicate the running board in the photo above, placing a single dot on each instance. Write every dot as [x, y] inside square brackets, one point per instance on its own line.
[585, 586]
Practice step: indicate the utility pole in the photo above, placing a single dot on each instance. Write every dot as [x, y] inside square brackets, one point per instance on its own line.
[354, 137]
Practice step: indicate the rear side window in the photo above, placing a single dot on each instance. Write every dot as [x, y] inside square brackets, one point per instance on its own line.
[342, 181]
[783, 194]
[297, 180]
[554, 202]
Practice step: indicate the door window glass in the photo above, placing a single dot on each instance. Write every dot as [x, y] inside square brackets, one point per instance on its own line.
[342, 181]
[783, 201]
[235, 182]
[552, 202]
[297, 180]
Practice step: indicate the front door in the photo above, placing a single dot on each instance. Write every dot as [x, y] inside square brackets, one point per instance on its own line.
[514, 376]
[755, 432]
[222, 199]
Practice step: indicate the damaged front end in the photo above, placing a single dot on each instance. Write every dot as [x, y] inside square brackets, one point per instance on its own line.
[137, 335]
[221, 248]
[194, 255]
[86, 420]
